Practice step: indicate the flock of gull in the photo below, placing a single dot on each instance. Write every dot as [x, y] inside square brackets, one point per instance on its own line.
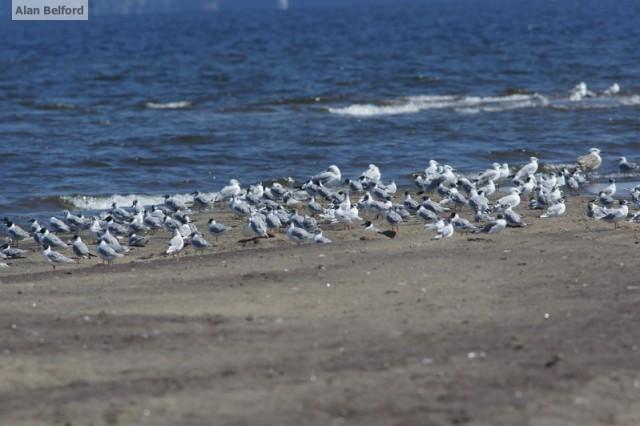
[327, 198]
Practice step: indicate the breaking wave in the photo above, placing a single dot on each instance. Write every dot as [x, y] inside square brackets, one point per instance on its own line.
[169, 105]
[492, 104]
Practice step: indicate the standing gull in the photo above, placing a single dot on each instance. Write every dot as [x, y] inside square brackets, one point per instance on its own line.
[591, 161]
[54, 258]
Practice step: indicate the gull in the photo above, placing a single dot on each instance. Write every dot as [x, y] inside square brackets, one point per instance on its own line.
[513, 219]
[298, 235]
[330, 177]
[512, 200]
[73, 220]
[200, 200]
[610, 190]
[115, 227]
[496, 226]
[527, 186]
[612, 90]
[176, 244]
[427, 203]
[3, 265]
[314, 207]
[54, 258]
[58, 225]
[152, 221]
[15, 232]
[595, 211]
[239, 207]
[433, 170]
[231, 190]
[372, 173]
[258, 225]
[107, 253]
[528, 169]
[457, 198]
[272, 219]
[426, 214]
[321, 239]
[95, 229]
[113, 242]
[409, 203]
[491, 174]
[137, 223]
[120, 213]
[174, 204]
[580, 91]
[478, 201]
[446, 231]
[616, 215]
[394, 219]
[51, 239]
[591, 161]
[198, 242]
[461, 224]
[354, 185]
[216, 229]
[436, 226]
[488, 189]
[605, 199]
[555, 210]
[626, 166]
[80, 248]
[369, 226]
[504, 171]
[35, 226]
[11, 252]
[138, 240]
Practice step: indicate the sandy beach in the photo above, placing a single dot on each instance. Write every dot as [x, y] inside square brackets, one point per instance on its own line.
[534, 326]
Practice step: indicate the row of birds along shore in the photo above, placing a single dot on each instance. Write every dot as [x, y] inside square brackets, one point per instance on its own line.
[442, 199]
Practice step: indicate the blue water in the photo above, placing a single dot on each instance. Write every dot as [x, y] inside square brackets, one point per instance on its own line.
[171, 103]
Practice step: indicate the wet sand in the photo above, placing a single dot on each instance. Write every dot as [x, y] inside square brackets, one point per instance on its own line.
[534, 326]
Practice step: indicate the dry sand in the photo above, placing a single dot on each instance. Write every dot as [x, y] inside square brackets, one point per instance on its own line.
[534, 326]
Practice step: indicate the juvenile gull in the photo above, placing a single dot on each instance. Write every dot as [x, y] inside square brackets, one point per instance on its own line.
[591, 161]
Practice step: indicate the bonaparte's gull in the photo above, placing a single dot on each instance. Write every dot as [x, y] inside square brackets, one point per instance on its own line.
[497, 226]
[198, 242]
[138, 240]
[58, 225]
[627, 166]
[555, 210]
[80, 248]
[298, 235]
[54, 258]
[107, 253]
[321, 239]
[446, 231]
[15, 232]
[216, 229]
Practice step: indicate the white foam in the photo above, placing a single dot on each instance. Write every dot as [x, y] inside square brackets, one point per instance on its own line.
[89, 202]
[169, 105]
[580, 97]
[465, 104]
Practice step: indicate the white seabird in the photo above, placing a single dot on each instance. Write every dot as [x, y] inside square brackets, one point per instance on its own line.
[591, 161]
[54, 258]
[496, 226]
[176, 244]
[528, 169]
[555, 210]
[107, 253]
